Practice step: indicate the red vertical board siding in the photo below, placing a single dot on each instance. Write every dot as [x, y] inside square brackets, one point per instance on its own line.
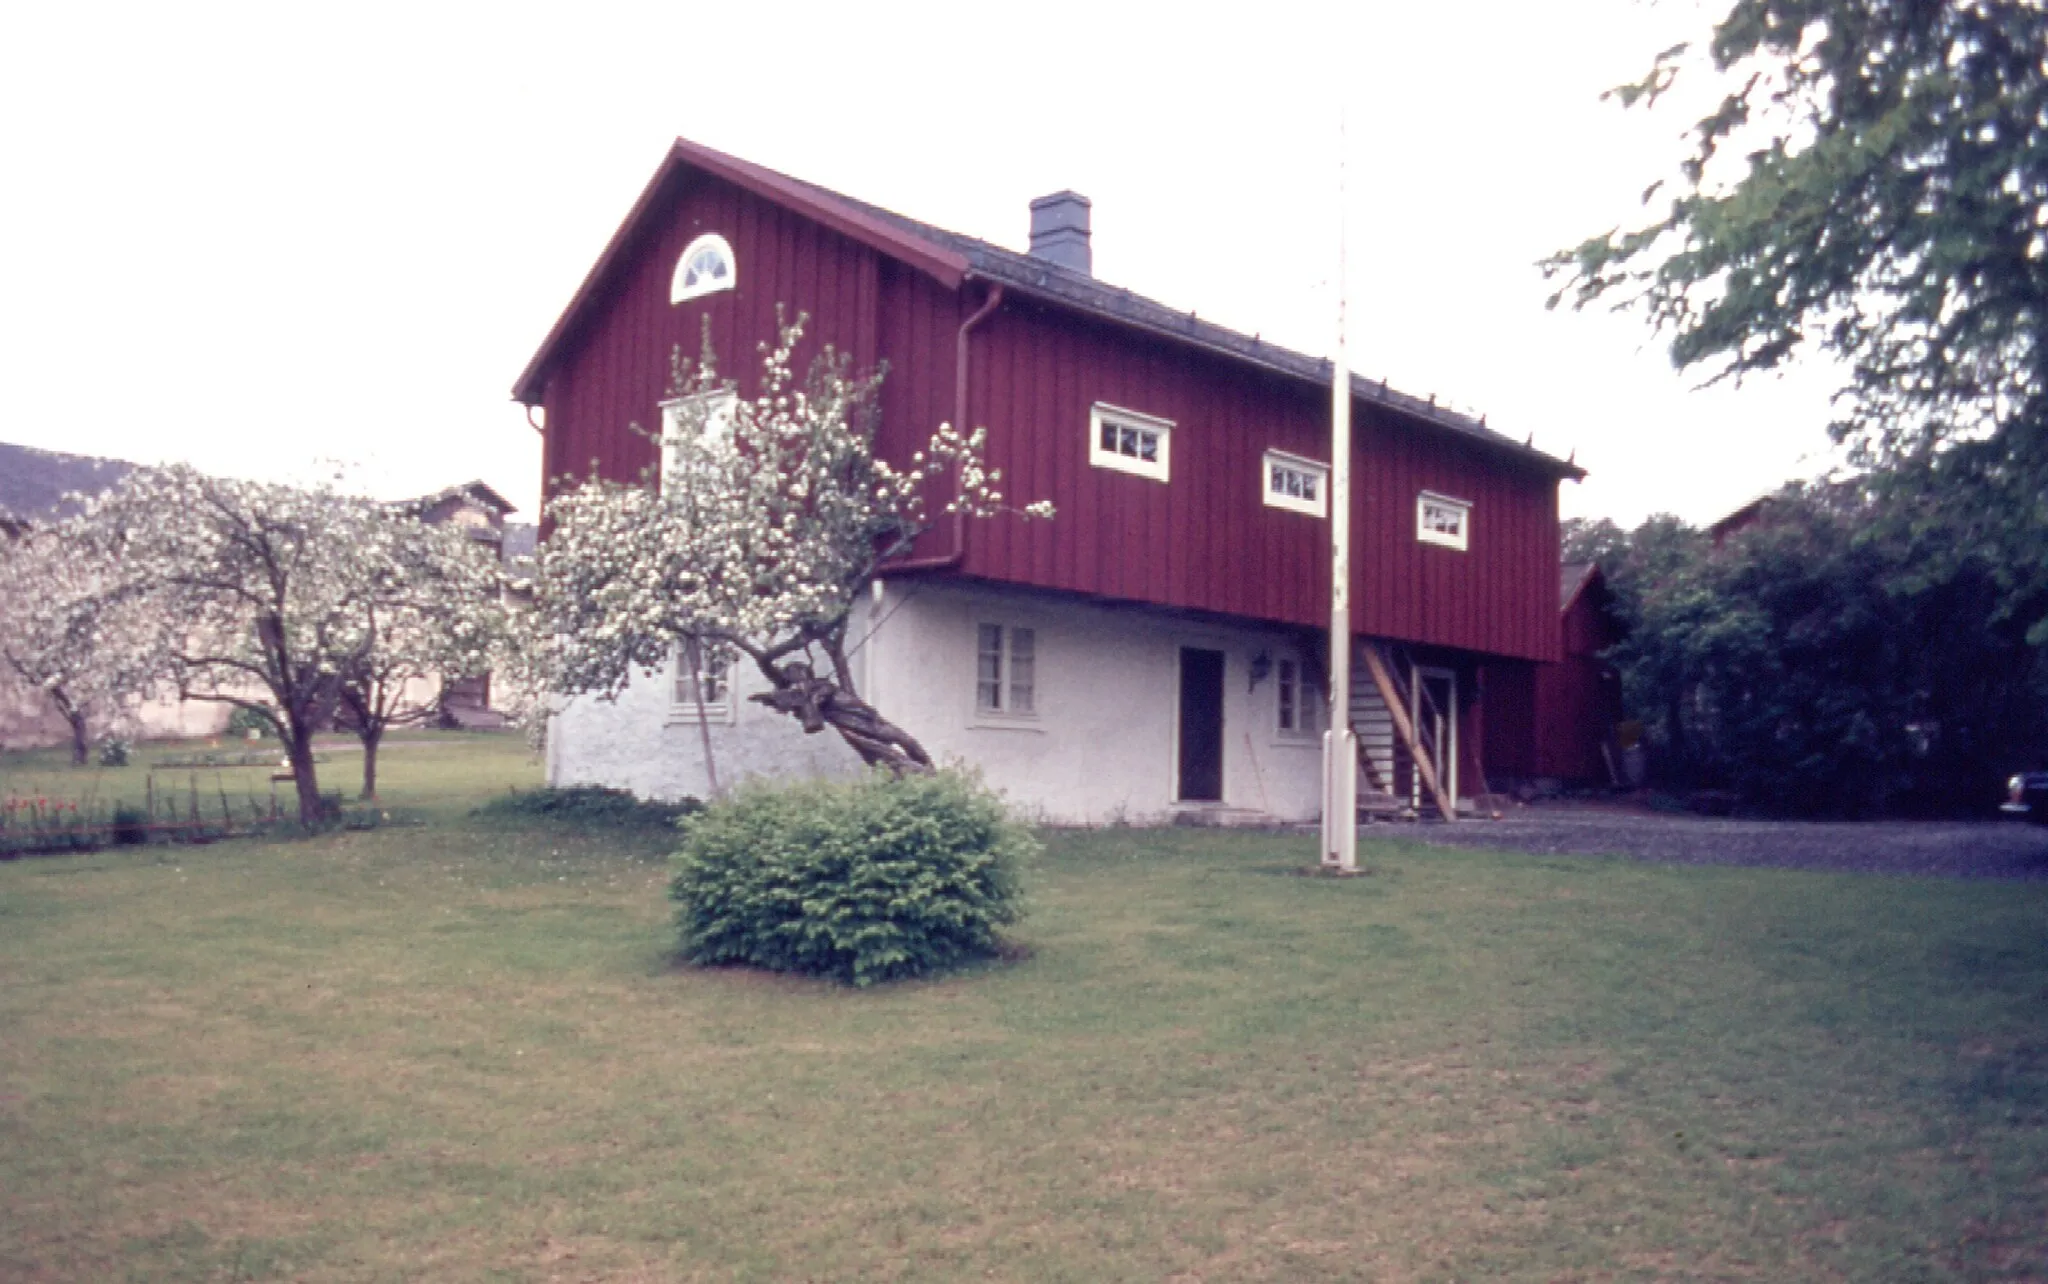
[1578, 700]
[1509, 731]
[1204, 541]
[616, 368]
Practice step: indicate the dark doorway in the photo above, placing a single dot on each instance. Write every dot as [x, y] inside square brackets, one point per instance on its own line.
[1201, 725]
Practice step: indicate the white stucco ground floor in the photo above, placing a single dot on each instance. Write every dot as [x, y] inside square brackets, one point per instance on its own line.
[1077, 711]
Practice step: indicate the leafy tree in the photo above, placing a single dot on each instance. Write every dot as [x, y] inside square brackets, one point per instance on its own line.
[1887, 207]
[1593, 540]
[768, 520]
[429, 600]
[282, 601]
[61, 634]
[1824, 660]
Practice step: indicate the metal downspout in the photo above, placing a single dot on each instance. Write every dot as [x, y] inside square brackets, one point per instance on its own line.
[950, 560]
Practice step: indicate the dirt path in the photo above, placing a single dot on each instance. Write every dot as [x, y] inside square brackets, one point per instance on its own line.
[1946, 849]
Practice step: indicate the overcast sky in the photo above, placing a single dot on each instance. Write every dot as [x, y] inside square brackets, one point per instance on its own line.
[253, 237]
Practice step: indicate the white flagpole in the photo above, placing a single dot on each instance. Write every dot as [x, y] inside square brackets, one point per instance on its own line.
[1340, 743]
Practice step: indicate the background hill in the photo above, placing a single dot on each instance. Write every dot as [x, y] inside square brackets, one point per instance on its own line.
[33, 482]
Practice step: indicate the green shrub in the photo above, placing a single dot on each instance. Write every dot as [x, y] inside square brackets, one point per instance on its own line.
[243, 721]
[863, 882]
[588, 805]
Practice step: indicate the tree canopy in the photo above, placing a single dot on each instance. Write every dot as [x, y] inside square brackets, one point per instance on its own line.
[1872, 183]
[1850, 651]
[62, 634]
[765, 523]
[285, 601]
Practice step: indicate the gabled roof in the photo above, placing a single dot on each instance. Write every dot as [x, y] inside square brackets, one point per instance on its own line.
[476, 490]
[951, 258]
[1742, 518]
[1078, 291]
[948, 268]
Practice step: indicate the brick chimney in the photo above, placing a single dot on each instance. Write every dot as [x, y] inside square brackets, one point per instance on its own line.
[1059, 231]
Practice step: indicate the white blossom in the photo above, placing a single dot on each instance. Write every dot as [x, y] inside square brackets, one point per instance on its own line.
[287, 601]
[754, 541]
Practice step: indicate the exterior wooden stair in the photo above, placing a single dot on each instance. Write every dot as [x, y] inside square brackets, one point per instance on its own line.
[1381, 720]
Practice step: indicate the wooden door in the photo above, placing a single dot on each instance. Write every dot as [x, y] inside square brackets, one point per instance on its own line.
[1436, 723]
[1201, 725]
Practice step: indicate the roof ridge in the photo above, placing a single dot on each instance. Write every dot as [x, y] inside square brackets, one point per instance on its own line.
[1182, 325]
[954, 256]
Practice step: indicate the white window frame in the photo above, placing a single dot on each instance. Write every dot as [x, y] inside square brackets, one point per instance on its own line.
[1308, 469]
[678, 292]
[1158, 469]
[997, 695]
[717, 421]
[718, 706]
[1310, 706]
[1426, 531]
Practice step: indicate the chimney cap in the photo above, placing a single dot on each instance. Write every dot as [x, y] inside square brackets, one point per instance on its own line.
[1059, 230]
[1061, 198]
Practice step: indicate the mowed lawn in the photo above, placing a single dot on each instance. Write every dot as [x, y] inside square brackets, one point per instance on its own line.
[458, 1050]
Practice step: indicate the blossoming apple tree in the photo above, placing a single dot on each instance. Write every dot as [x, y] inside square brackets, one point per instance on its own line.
[766, 521]
[429, 603]
[62, 635]
[287, 601]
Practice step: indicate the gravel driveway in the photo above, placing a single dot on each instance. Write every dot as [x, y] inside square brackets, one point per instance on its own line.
[1946, 849]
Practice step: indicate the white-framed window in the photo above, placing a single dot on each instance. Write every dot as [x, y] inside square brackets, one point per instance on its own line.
[1298, 703]
[1439, 519]
[1005, 671]
[1297, 484]
[1128, 441]
[706, 414]
[706, 267]
[699, 682]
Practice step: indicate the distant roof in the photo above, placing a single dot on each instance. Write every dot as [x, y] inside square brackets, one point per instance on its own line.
[1741, 517]
[952, 257]
[1572, 580]
[476, 490]
[33, 483]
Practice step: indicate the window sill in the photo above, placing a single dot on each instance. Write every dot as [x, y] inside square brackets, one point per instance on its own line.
[1006, 722]
[689, 718]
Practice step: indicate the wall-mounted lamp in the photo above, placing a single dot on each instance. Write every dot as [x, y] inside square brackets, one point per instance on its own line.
[1262, 664]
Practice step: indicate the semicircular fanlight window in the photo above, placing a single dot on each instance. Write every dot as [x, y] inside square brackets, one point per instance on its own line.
[706, 267]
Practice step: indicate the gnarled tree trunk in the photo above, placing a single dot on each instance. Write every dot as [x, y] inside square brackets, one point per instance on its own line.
[818, 703]
[74, 717]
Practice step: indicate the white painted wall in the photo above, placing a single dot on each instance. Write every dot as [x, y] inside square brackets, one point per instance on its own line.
[28, 720]
[1100, 747]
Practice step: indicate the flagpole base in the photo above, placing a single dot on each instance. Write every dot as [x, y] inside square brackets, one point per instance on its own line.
[1340, 801]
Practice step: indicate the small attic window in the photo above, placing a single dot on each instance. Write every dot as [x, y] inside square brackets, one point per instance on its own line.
[1128, 441]
[1439, 519]
[1296, 483]
[705, 268]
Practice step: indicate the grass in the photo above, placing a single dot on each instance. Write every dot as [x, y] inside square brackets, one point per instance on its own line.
[460, 1052]
[436, 774]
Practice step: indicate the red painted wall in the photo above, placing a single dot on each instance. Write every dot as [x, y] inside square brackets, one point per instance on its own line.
[1205, 541]
[1578, 700]
[1509, 695]
[616, 368]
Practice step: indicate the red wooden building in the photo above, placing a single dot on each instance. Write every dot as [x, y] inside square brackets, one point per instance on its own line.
[1187, 463]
